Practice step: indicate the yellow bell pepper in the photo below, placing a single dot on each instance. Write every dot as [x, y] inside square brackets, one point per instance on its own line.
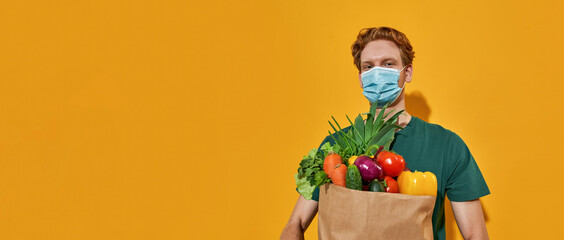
[417, 183]
[352, 159]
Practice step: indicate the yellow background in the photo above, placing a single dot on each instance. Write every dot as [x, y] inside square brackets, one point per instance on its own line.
[187, 119]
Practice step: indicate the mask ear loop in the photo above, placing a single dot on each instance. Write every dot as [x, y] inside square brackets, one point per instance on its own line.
[398, 120]
[404, 81]
[401, 87]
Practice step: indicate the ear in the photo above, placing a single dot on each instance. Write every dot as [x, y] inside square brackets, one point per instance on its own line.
[408, 72]
[360, 80]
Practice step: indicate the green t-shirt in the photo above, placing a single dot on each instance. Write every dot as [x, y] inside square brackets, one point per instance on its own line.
[430, 147]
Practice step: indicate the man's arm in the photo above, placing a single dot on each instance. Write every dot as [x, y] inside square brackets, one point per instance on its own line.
[470, 219]
[301, 217]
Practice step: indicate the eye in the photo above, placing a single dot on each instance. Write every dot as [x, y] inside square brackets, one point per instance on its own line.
[388, 64]
[366, 67]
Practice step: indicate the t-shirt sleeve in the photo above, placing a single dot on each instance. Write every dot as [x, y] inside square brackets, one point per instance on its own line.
[465, 182]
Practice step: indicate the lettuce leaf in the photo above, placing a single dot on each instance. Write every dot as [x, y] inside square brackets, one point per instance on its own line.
[327, 148]
[304, 187]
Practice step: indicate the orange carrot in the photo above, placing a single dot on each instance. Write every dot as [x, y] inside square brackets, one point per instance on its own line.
[339, 175]
[331, 160]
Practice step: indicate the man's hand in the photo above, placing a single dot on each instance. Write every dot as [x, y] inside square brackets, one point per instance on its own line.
[470, 219]
[301, 217]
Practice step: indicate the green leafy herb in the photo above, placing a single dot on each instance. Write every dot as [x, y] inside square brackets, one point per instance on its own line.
[310, 173]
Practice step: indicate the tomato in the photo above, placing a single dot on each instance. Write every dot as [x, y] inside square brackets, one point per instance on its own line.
[393, 164]
[393, 186]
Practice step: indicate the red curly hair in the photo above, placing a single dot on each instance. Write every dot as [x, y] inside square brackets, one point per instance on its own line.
[367, 35]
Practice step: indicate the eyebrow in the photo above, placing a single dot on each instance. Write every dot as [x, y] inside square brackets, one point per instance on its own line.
[383, 60]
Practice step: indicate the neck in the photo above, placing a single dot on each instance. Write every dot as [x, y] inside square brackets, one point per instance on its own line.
[398, 105]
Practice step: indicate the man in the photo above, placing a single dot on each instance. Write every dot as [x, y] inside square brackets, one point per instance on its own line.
[384, 59]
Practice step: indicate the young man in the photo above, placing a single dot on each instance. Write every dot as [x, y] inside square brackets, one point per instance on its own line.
[384, 59]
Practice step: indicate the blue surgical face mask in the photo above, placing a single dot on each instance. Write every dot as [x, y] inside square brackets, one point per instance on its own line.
[381, 85]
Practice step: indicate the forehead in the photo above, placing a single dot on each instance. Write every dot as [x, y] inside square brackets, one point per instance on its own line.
[379, 50]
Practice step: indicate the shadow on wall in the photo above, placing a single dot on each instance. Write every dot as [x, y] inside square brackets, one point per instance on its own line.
[416, 105]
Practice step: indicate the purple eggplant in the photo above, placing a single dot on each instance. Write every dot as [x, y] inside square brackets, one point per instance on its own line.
[369, 169]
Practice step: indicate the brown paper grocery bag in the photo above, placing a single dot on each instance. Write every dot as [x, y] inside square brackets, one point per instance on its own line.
[351, 214]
